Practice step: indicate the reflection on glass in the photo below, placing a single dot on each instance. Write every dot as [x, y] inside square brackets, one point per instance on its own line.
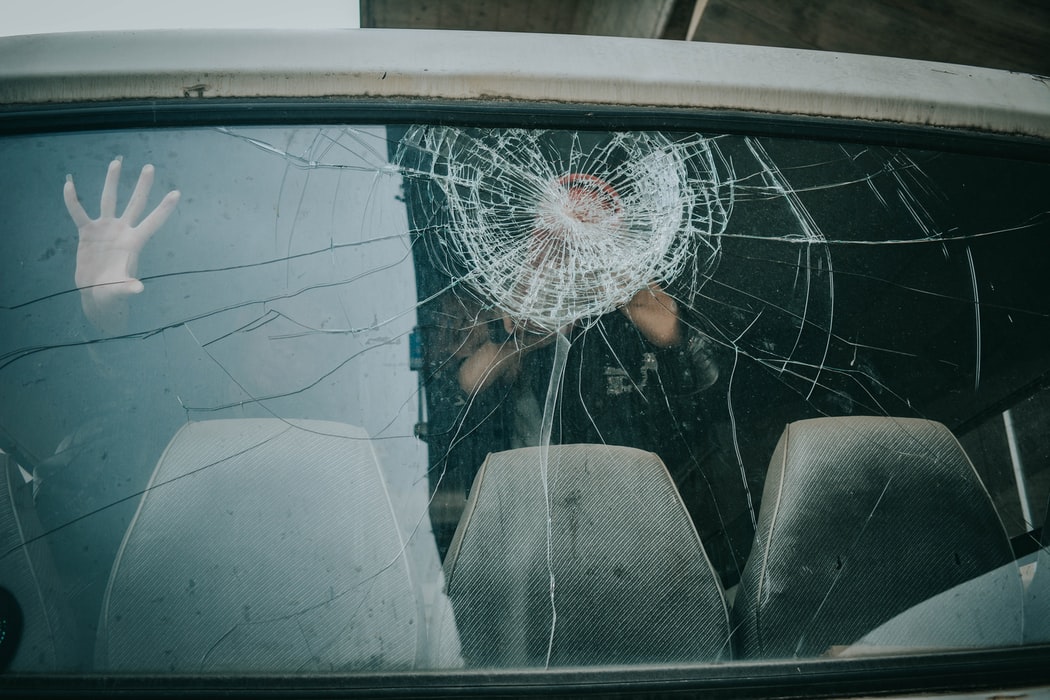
[343, 399]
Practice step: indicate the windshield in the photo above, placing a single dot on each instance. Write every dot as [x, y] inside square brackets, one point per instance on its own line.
[402, 397]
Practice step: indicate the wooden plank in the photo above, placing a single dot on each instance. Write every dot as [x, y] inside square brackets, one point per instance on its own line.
[682, 19]
[1010, 34]
[637, 18]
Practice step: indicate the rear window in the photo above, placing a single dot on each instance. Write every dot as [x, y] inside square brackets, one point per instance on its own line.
[416, 397]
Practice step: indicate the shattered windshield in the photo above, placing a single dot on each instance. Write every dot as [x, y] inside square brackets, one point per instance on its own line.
[402, 397]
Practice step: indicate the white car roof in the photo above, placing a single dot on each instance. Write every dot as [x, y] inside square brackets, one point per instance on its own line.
[517, 68]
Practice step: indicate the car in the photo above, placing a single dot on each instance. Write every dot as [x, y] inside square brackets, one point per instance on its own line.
[384, 362]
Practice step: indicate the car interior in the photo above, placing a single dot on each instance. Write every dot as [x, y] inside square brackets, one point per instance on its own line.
[412, 399]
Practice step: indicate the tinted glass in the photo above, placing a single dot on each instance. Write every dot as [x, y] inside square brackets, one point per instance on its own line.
[415, 397]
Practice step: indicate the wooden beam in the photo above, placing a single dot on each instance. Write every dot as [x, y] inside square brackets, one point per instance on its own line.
[1010, 34]
[694, 21]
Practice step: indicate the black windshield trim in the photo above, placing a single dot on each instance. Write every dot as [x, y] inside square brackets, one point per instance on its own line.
[203, 112]
[952, 672]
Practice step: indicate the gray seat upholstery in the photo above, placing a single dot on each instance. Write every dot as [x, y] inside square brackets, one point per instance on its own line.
[49, 641]
[1037, 600]
[263, 546]
[598, 564]
[862, 519]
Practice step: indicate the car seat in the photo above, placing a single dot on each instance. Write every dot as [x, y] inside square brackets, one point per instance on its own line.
[598, 563]
[45, 639]
[862, 519]
[264, 546]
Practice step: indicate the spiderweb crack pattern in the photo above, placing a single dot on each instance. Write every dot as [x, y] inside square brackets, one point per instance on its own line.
[553, 235]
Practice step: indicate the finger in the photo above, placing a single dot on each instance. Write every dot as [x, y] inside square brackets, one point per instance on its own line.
[73, 206]
[108, 207]
[157, 217]
[137, 203]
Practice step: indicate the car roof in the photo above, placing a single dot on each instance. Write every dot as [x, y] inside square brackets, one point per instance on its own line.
[514, 68]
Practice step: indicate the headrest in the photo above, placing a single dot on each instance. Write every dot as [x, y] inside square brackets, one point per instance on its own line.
[861, 519]
[37, 629]
[595, 563]
[263, 546]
